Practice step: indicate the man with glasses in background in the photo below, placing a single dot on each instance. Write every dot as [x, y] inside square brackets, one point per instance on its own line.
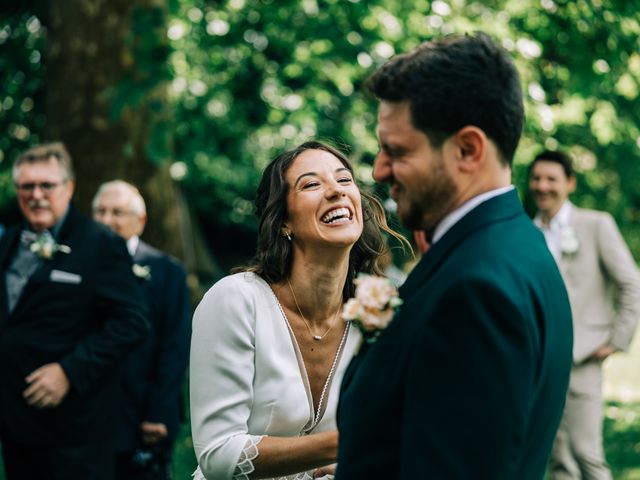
[70, 309]
[150, 414]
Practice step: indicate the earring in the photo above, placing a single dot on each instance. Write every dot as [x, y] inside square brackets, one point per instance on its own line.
[288, 235]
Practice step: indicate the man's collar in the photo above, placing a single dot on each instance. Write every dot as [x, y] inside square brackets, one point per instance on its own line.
[452, 218]
[132, 244]
[562, 218]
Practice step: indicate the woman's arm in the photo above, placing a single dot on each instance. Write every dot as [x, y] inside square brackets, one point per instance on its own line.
[278, 456]
[222, 371]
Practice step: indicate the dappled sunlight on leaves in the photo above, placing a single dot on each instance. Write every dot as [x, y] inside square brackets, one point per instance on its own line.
[247, 79]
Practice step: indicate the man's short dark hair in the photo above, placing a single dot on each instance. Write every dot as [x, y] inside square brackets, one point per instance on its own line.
[455, 82]
[557, 157]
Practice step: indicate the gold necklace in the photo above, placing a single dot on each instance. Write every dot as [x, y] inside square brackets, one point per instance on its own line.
[313, 335]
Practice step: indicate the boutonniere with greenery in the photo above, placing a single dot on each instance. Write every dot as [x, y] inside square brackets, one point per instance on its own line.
[142, 271]
[45, 246]
[376, 301]
[569, 244]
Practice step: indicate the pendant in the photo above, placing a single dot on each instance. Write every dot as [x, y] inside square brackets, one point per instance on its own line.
[317, 337]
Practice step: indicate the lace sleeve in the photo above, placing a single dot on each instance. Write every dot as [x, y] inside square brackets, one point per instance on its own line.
[249, 453]
[245, 463]
[245, 467]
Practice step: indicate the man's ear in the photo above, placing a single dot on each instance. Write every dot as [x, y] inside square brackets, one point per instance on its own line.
[471, 145]
[142, 222]
[571, 184]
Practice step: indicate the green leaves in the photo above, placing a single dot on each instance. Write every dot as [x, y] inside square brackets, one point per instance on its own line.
[235, 82]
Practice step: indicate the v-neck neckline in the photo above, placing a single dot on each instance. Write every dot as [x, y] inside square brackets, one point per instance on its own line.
[316, 416]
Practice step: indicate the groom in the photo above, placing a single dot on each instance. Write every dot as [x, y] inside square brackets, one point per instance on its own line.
[469, 380]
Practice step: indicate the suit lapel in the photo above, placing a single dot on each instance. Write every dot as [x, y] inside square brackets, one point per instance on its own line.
[567, 260]
[43, 272]
[141, 253]
[353, 364]
[495, 209]
[7, 246]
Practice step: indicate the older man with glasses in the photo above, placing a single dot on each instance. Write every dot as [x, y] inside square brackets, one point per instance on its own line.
[70, 309]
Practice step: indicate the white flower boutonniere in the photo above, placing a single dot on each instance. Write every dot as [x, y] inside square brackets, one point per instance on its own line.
[45, 246]
[569, 244]
[142, 271]
[373, 306]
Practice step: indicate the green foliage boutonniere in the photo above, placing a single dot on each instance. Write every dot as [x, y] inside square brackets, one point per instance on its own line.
[142, 271]
[45, 246]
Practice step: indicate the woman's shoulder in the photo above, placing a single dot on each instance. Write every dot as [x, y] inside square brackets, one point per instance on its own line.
[232, 300]
[243, 283]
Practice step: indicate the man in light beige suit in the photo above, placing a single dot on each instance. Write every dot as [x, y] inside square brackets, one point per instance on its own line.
[604, 291]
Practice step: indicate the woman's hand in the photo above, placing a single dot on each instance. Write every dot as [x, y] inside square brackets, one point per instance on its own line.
[326, 470]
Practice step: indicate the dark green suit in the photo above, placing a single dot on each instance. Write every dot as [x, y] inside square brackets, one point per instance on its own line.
[469, 380]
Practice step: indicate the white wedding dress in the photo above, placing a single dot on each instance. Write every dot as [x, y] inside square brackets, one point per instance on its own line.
[248, 380]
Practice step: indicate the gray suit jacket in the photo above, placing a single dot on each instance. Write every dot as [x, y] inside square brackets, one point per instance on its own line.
[603, 284]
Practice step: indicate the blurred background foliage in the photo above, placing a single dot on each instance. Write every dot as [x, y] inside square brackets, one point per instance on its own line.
[226, 85]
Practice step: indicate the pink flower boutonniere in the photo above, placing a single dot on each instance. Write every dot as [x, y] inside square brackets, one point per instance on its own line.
[375, 302]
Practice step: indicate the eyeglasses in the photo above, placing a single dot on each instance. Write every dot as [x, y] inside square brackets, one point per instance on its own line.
[115, 212]
[45, 187]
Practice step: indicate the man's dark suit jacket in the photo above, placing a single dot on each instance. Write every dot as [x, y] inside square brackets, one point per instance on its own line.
[469, 379]
[154, 371]
[86, 323]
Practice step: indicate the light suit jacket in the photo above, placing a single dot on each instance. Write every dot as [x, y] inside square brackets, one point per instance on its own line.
[603, 284]
[604, 290]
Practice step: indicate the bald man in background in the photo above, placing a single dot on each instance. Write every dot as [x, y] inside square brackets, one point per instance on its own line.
[154, 372]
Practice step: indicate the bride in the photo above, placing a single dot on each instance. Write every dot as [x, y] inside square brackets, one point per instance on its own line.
[269, 347]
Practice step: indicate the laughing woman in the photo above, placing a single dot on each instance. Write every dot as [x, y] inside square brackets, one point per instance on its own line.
[269, 348]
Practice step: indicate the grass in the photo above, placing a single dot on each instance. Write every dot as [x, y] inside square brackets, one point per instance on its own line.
[184, 459]
[622, 439]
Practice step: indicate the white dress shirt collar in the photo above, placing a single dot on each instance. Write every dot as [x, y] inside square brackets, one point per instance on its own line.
[552, 231]
[454, 217]
[132, 244]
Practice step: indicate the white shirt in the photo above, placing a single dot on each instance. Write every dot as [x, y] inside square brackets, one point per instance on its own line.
[247, 376]
[132, 244]
[553, 230]
[454, 217]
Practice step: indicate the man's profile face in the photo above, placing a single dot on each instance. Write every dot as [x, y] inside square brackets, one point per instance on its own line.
[43, 192]
[550, 186]
[113, 209]
[421, 182]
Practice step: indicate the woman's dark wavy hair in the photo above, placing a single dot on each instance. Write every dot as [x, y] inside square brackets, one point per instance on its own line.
[274, 252]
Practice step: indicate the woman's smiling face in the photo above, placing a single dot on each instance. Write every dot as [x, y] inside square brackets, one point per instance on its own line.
[323, 203]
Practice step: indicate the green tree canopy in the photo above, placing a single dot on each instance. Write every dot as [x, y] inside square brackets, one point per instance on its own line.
[246, 79]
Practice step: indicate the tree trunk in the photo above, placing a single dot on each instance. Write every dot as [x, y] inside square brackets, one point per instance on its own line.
[93, 50]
